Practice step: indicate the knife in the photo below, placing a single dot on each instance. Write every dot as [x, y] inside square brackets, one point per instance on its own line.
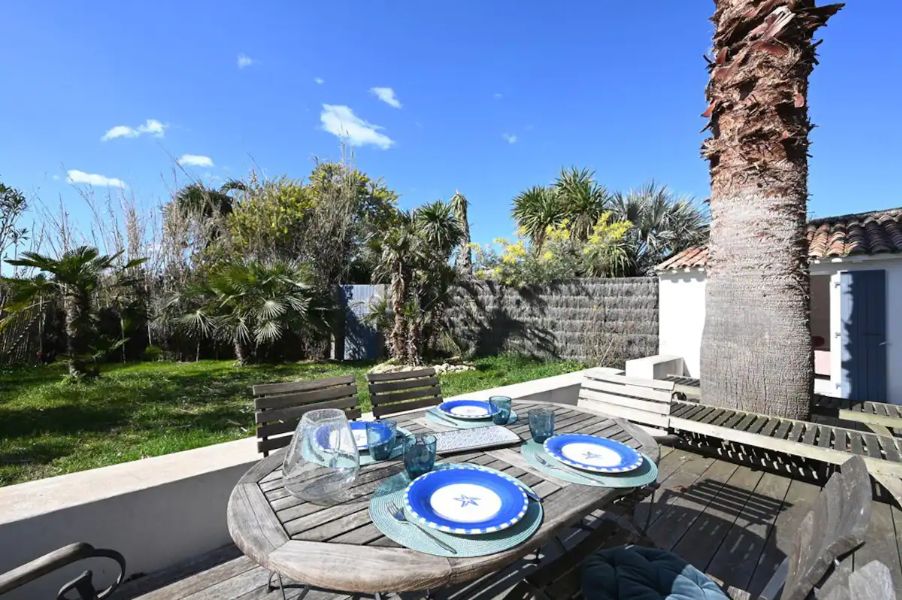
[437, 413]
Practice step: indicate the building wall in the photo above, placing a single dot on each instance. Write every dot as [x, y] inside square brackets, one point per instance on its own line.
[682, 316]
[893, 268]
[681, 297]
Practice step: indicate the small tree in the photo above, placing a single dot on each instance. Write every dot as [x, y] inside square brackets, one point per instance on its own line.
[415, 260]
[72, 279]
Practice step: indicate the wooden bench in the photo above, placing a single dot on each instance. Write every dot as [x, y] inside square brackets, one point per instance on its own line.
[645, 402]
[830, 531]
[392, 393]
[880, 417]
[279, 406]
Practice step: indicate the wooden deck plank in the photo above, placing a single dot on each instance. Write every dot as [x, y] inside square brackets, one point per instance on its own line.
[799, 495]
[881, 543]
[676, 513]
[703, 538]
[743, 545]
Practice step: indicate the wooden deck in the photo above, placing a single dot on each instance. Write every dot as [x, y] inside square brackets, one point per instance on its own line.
[718, 515]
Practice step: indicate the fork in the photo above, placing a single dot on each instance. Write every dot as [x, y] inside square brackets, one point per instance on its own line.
[398, 514]
[544, 462]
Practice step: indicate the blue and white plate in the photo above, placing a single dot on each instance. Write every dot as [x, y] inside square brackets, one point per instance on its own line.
[468, 409]
[358, 430]
[466, 500]
[592, 453]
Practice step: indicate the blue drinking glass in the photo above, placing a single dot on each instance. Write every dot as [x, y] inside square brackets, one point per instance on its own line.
[380, 438]
[419, 454]
[541, 423]
[502, 406]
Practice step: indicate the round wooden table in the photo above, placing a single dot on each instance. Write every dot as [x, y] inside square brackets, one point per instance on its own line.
[338, 547]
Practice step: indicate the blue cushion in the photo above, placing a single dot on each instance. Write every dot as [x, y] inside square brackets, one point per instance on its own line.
[637, 573]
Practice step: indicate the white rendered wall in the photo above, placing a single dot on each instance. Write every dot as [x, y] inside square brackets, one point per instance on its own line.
[681, 316]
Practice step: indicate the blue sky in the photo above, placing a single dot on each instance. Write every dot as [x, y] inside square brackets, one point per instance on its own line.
[485, 97]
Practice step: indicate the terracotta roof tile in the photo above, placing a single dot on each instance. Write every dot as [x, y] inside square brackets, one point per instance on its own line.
[876, 232]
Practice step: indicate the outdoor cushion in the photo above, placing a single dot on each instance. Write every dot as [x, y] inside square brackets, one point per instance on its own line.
[639, 573]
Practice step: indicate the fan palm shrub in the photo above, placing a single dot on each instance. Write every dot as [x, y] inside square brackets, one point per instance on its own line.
[663, 224]
[72, 281]
[251, 304]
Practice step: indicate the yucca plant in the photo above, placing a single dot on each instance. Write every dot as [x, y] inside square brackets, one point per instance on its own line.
[535, 210]
[581, 200]
[72, 279]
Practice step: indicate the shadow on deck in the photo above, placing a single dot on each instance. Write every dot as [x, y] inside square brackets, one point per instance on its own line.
[729, 519]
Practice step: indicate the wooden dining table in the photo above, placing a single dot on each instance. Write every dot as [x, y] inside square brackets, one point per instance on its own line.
[339, 548]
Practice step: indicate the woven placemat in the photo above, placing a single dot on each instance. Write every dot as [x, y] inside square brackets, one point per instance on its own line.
[367, 459]
[644, 475]
[391, 491]
[463, 423]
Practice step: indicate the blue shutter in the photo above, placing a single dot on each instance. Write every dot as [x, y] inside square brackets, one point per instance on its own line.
[863, 313]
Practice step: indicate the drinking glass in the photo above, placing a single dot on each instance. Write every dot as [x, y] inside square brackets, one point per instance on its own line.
[541, 423]
[503, 406]
[381, 449]
[322, 461]
[419, 454]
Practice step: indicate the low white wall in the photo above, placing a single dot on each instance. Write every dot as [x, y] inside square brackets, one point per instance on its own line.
[158, 511]
[681, 316]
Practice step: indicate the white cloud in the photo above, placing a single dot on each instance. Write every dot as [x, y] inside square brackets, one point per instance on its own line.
[497, 95]
[341, 121]
[510, 138]
[150, 127]
[76, 176]
[319, 80]
[387, 95]
[245, 61]
[195, 160]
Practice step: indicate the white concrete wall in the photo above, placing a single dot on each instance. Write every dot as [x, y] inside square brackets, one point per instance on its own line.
[681, 317]
[158, 511]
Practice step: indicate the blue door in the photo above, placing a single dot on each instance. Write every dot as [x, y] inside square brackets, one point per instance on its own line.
[863, 313]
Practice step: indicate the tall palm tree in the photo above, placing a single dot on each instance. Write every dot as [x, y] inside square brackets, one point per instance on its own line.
[72, 279]
[663, 224]
[464, 263]
[756, 347]
[535, 210]
[581, 199]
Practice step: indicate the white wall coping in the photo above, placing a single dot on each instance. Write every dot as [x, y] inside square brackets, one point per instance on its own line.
[25, 500]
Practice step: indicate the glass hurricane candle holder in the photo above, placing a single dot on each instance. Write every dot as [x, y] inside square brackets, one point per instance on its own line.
[322, 460]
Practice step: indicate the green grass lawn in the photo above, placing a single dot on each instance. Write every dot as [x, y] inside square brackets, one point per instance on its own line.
[146, 409]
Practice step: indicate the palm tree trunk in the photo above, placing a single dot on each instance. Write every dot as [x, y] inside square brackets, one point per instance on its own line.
[398, 336]
[240, 353]
[76, 309]
[756, 347]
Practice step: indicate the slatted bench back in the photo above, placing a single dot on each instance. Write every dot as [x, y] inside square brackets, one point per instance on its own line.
[391, 393]
[279, 407]
[645, 402]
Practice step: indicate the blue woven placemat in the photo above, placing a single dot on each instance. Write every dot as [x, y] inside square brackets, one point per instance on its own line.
[463, 423]
[644, 475]
[391, 491]
[367, 459]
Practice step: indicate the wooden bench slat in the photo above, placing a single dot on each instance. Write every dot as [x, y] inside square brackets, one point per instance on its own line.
[279, 414]
[628, 390]
[660, 408]
[300, 386]
[405, 384]
[397, 375]
[656, 384]
[631, 414]
[298, 398]
[382, 399]
[390, 409]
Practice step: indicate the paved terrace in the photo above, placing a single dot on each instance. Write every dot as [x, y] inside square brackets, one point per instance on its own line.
[719, 515]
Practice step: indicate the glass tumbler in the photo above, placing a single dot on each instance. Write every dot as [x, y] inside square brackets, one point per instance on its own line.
[419, 454]
[380, 443]
[502, 404]
[322, 460]
[541, 423]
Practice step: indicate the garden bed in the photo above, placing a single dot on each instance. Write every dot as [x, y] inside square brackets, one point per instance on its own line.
[138, 410]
